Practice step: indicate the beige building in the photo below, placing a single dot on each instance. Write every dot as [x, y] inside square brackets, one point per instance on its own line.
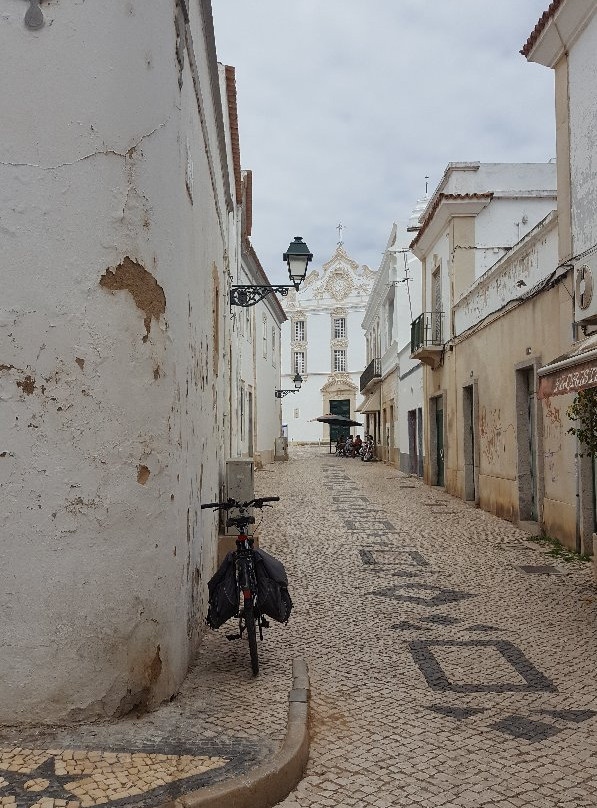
[493, 301]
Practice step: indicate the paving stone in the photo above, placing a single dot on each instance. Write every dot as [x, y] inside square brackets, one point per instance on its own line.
[381, 733]
[375, 725]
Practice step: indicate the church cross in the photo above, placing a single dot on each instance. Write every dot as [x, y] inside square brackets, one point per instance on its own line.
[340, 228]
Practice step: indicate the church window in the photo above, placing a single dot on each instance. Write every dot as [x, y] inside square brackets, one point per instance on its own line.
[339, 327]
[299, 330]
[339, 361]
[299, 362]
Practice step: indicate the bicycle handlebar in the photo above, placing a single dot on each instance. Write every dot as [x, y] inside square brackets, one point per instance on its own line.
[232, 503]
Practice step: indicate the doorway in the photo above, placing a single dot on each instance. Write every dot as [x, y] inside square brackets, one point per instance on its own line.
[420, 440]
[436, 412]
[250, 418]
[413, 443]
[339, 407]
[470, 443]
[526, 406]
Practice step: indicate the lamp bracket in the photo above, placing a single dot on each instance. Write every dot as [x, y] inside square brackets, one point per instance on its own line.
[251, 295]
[282, 393]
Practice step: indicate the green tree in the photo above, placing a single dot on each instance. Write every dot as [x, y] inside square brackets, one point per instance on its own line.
[583, 413]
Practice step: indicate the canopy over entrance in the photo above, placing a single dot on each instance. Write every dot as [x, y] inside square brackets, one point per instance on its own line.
[574, 371]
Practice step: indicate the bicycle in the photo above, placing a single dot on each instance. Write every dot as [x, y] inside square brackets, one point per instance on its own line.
[244, 561]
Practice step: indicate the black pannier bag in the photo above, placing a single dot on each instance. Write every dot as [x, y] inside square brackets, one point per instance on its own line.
[273, 598]
[223, 594]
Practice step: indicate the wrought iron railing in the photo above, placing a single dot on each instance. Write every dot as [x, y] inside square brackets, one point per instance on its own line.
[427, 330]
[372, 371]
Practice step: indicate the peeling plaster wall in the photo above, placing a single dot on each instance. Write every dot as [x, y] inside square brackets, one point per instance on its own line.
[477, 360]
[510, 278]
[111, 413]
[582, 68]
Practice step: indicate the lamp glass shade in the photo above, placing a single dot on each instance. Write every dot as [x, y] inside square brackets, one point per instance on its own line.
[298, 380]
[297, 258]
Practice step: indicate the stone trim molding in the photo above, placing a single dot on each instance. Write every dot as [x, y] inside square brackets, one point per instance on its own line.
[339, 381]
[272, 781]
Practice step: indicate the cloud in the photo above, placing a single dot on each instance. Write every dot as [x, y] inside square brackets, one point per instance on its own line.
[345, 106]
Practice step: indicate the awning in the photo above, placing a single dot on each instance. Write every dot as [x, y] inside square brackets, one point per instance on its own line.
[574, 371]
[371, 404]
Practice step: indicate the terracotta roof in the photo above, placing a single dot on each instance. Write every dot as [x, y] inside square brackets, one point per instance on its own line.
[248, 202]
[538, 29]
[234, 139]
[441, 198]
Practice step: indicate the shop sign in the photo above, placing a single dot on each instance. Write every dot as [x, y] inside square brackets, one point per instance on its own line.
[569, 380]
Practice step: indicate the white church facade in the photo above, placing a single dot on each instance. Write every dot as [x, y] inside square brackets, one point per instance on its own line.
[322, 340]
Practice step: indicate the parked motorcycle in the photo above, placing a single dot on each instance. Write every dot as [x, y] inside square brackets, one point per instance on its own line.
[368, 450]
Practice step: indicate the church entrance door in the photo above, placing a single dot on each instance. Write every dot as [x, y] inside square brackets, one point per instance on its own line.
[340, 407]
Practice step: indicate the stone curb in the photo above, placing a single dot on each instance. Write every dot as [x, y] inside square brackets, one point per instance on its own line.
[272, 781]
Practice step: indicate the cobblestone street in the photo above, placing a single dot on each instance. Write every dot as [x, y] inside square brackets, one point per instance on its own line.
[452, 664]
[452, 661]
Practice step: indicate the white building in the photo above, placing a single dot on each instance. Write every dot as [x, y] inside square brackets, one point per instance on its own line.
[323, 342]
[392, 382]
[117, 231]
[254, 355]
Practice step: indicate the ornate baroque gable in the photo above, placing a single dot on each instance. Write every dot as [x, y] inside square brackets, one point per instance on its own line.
[338, 381]
[339, 279]
[339, 284]
[340, 259]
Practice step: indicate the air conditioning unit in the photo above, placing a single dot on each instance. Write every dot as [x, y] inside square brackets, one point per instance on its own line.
[585, 290]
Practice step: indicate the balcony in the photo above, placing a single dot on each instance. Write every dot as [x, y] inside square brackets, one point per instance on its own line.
[426, 338]
[370, 375]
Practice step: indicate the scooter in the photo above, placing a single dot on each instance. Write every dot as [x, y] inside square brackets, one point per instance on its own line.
[368, 450]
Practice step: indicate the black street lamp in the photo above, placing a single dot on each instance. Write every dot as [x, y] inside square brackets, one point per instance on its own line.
[297, 258]
[298, 380]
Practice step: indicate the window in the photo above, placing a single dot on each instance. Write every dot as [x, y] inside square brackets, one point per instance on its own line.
[299, 362]
[299, 331]
[265, 335]
[339, 361]
[339, 327]
[274, 345]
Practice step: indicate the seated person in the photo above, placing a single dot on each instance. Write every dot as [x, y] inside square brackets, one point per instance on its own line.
[358, 443]
[349, 447]
[340, 444]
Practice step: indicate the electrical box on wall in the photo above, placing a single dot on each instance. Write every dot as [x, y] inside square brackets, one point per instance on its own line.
[585, 291]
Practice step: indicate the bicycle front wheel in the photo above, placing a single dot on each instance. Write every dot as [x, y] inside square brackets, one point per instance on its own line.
[252, 635]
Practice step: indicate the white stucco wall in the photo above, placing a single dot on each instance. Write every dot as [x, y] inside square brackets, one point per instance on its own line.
[504, 222]
[410, 397]
[533, 260]
[268, 407]
[111, 388]
[582, 67]
[522, 191]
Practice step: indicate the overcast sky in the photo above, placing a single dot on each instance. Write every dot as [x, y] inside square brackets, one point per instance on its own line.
[345, 106]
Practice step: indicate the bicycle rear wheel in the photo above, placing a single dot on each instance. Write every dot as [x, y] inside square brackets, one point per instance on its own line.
[251, 634]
